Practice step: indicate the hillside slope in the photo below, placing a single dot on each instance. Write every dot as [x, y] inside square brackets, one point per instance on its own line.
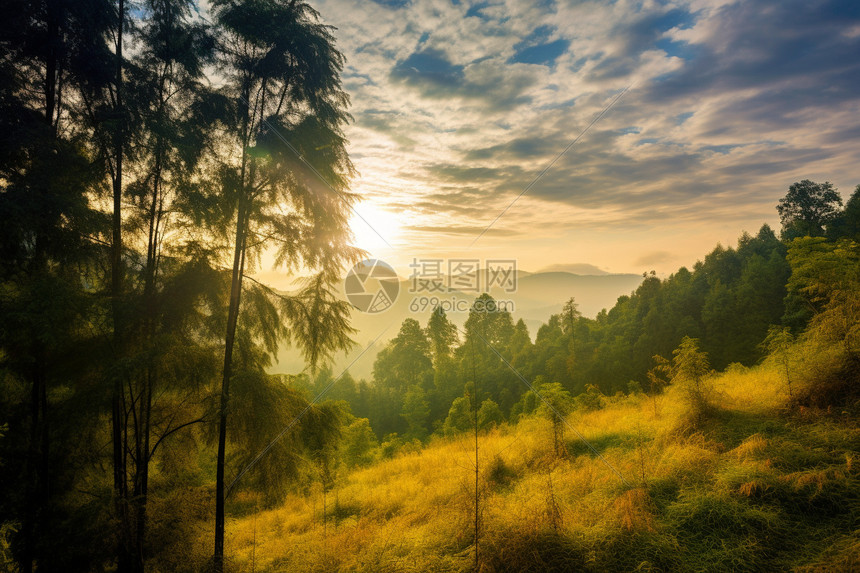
[748, 488]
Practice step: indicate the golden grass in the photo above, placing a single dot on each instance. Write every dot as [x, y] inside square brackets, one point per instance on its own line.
[416, 512]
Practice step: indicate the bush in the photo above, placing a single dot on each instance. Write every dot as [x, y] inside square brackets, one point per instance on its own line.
[590, 400]
[722, 533]
[516, 551]
[500, 474]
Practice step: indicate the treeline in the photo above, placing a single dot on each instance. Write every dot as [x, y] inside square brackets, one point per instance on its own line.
[430, 380]
[150, 152]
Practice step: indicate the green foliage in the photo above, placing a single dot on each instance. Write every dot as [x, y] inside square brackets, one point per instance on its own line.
[359, 443]
[659, 374]
[690, 370]
[827, 277]
[689, 364]
[500, 474]
[263, 407]
[720, 532]
[808, 208]
[393, 445]
[555, 404]
[570, 316]
[460, 418]
[416, 411]
[554, 400]
[406, 361]
[527, 404]
[778, 344]
[847, 223]
[489, 415]
[442, 334]
[488, 331]
[589, 400]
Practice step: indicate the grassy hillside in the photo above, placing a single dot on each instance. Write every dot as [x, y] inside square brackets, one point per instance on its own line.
[751, 486]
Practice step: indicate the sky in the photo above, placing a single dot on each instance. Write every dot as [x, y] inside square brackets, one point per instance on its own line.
[459, 106]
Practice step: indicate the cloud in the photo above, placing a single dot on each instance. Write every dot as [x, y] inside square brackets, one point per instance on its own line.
[459, 106]
[538, 49]
[493, 84]
[463, 230]
[430, 69]
[392, 3]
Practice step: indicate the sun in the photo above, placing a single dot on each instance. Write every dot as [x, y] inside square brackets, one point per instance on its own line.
[374, 228]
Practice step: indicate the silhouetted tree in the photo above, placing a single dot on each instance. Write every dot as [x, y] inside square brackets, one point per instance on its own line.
[283, 180]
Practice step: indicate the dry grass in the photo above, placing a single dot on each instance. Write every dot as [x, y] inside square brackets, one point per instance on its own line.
[732, 493]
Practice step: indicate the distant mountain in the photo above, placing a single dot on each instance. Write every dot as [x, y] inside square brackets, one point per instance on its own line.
[537, 296]
[574, 268]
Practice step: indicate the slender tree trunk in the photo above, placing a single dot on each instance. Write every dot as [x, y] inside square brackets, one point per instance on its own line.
[144, 403]
[477, 488]
[242, 218]
[477, 464]
[141, 483]
[232, 319]
[118, 414]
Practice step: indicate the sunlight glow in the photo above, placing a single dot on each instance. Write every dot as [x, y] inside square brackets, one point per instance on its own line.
[374, 226]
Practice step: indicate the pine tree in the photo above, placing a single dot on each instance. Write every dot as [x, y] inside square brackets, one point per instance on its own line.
[284, 181]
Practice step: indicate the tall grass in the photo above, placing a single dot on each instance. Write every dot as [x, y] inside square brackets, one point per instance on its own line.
[755, 487]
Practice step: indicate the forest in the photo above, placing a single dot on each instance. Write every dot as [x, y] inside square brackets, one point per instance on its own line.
[151, 159]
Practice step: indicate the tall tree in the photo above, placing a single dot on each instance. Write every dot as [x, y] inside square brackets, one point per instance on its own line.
[283, 182]
[847, 223]
[172, 112]
[443, 339]
[442, 334]
[488, 330]
[570, 319]
[406, 361]
[51, 51]
[555, 405]
[808, 208]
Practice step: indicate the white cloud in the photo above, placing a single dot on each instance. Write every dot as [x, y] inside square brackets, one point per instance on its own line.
[723, 116]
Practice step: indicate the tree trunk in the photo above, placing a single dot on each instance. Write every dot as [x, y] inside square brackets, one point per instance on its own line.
[150, 378]
[242, 219]
[118, 422]
[477, 462]
[232, 319]
[38, 465]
